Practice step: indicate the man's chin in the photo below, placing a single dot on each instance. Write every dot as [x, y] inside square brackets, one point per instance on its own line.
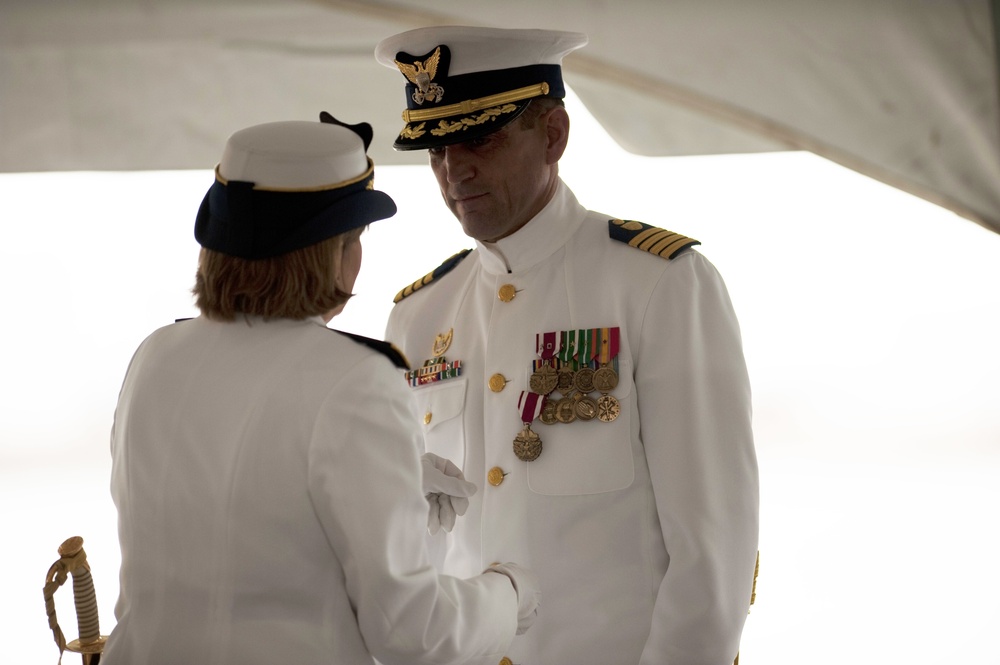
[475, 222]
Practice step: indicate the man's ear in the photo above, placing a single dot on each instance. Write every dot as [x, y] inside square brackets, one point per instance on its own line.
[557, 132]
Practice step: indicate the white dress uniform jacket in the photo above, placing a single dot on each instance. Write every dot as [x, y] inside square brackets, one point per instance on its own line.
[642, 531]
[267, 479]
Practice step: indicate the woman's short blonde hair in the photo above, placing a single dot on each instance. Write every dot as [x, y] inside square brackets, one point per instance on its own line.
[296, 285]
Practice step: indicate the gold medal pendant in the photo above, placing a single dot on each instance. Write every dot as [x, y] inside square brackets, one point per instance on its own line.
[544, 380]
[527, 444]
[608, 408]
[605, 379]
[548, 414]
[566, 410]
[584, 380]
[565, 380]
[585, 407]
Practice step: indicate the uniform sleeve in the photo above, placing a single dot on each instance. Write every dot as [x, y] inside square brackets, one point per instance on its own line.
[695, 409]
[365, 486]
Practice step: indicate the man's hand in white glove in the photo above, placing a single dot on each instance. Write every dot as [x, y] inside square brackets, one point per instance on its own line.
[447, 492]
[529, 596]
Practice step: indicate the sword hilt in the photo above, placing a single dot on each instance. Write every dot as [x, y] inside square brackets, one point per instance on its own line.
[73, 561]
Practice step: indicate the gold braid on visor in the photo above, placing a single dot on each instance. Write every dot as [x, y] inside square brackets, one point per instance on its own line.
[473, 105]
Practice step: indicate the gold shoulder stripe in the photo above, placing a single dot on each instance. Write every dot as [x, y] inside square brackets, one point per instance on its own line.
[438, 272]
[650, 239]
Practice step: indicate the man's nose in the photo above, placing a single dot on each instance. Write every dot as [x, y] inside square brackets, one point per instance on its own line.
[458, 167]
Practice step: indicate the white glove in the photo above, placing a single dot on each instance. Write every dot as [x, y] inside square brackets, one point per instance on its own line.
[529, 596]
[447, 492]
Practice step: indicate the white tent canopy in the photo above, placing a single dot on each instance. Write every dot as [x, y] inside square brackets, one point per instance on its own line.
[869, 317]
[904, 91]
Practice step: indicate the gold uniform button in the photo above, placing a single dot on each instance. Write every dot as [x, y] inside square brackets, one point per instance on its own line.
[495, 476]
[427, 418]
[497, 382]
[507, 293]
[506, 661]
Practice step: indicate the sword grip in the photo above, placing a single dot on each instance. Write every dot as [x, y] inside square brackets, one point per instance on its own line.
[84, 596]
[73, 561]
[85, 600]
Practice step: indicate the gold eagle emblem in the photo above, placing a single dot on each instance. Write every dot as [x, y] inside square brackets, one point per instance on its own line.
[421, 74]
[442, 341]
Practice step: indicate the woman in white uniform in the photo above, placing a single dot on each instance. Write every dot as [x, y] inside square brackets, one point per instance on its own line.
[265, 467]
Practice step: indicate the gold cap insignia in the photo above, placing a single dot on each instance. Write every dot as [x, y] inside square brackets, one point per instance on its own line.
[421, 74]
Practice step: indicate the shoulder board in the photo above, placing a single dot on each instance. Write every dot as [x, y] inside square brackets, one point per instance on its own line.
[385, 348]
[438, 272]
[651, 239]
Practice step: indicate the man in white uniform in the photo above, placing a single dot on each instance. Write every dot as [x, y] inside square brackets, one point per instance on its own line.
[266, 468]
[585, 371]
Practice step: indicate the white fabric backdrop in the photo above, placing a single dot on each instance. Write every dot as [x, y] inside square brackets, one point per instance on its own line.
[904, 91]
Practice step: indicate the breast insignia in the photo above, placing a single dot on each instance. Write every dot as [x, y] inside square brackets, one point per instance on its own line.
[437, 273]
[650, 239]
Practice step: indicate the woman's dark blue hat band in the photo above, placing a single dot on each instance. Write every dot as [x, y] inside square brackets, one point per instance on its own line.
[237, 219]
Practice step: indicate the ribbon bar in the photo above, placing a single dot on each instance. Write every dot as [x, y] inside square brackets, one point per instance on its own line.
[436, 369]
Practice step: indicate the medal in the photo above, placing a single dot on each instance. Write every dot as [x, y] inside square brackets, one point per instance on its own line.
[564, 380]
[527, 444]
[585, 407]
[583, 380]
[606, 378]
[548, 414]
[608, 408]
[566, 352]
[587, 356]
[544, 379]
[566, 410]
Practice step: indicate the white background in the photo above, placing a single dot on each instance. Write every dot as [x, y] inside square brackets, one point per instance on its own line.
[871, 322]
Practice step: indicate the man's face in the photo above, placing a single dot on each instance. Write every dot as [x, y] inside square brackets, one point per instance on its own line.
[495, 184]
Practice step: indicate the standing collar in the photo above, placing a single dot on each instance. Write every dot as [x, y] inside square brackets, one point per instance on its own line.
[537, 240]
